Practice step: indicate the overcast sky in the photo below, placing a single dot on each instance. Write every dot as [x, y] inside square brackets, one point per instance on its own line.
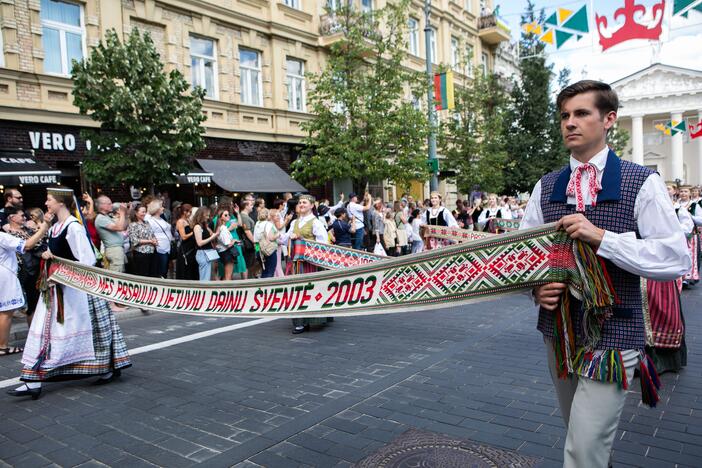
[681, 43]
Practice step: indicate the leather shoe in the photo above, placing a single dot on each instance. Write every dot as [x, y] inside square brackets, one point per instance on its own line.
[33, 392]
[103, 381]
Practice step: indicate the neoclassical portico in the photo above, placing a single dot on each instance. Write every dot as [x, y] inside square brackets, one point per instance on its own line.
[655, 95]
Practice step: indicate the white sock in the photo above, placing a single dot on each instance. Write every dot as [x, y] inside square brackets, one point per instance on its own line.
[29, 385]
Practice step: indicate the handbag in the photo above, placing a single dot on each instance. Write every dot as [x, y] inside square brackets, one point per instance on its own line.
[379, 250]
[211, 254]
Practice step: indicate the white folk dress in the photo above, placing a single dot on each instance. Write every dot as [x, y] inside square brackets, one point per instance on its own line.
[11, 296]
[71, 341]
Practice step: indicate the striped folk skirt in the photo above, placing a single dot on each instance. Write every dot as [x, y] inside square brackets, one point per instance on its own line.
[669, 352]
[109, 345]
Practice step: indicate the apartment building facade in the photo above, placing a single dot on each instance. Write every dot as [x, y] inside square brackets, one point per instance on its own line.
[251, 56]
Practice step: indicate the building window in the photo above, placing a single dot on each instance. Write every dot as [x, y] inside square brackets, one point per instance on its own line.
[455, 59]
[336, 5]
[432, 44]
[413, 27]
[416, 103]
[470, 56]
[250, 80]
[292, 3]
[203, 63]
[62, 35]
[367, 6]
[484, 63]
[469, 6]
[296, 84]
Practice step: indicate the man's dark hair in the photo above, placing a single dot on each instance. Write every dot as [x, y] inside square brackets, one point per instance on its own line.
[606, 99]
[9, 194]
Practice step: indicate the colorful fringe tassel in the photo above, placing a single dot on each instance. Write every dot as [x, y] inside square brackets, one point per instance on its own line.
[650, 383]
[564, 339]
[603, 365]
[597, 290]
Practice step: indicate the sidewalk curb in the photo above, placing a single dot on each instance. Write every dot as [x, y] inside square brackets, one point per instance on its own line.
[19, 330]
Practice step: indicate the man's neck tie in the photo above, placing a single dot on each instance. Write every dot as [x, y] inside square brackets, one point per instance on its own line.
[575, 186]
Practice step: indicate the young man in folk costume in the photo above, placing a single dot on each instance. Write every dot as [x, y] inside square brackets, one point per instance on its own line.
[693, 240]
[623, 211]
[73, 335]
[306, 227]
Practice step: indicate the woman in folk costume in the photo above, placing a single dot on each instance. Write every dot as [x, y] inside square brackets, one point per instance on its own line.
[12, 296]
[668, 350]
[693, 240]
[73, 335]
[437, 215]
[491, 212]
[306, 227]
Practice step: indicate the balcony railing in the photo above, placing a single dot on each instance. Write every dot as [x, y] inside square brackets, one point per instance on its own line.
[492, 29]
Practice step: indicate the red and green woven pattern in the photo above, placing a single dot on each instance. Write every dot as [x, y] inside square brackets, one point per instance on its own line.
[454, 275]
[330, 257]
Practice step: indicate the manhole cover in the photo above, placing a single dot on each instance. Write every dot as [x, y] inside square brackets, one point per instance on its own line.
[419, 449]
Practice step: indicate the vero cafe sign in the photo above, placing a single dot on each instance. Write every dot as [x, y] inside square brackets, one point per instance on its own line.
[51, 141]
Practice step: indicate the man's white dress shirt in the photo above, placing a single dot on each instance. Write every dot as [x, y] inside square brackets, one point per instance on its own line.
[657, 255]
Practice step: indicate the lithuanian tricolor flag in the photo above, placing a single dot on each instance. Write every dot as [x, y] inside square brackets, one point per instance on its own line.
[443, 90]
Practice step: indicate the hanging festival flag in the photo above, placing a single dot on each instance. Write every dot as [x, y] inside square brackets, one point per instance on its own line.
[563, 24]
[672, 127]
[631, 29]
[443, 90]
[695, 130]
[683, 7]
[533, 28]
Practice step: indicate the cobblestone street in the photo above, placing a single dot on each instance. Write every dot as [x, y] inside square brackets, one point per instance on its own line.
[259, 396]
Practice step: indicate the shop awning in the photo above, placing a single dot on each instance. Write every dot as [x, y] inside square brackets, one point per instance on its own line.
[250, 176]
[20, 167]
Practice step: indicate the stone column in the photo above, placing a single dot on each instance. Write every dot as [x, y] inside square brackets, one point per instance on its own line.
[676, 147]
[699, 151]
[637, 143]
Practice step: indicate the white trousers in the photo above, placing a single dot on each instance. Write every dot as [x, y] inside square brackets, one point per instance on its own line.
[591, 410]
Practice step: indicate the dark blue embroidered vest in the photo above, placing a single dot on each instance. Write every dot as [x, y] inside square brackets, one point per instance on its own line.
[621, 182]
[59, 245]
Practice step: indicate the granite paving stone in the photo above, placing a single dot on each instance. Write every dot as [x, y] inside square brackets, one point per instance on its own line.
[259, 397]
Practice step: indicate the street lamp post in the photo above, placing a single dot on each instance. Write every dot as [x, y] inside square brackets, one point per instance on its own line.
[431, 112]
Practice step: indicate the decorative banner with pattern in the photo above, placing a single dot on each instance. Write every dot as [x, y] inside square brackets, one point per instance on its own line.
[453, 233]
[454, 275]
[331, 257]
[501, 224]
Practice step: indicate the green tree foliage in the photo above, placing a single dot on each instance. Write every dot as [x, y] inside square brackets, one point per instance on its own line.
[617, 139]
[363, 127]
[533, 141]
[473, 140]
[150, 122]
